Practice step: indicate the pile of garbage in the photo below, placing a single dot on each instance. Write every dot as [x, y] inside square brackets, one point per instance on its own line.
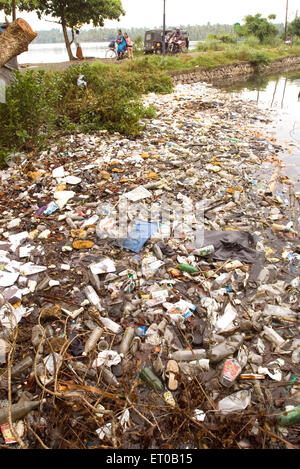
[150, 286]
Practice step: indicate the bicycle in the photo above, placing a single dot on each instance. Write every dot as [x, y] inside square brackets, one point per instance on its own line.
[112, 52]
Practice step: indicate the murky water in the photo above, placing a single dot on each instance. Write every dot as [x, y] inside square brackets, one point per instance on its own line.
[281, 95]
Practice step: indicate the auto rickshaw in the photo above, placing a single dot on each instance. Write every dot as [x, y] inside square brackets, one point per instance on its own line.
[153, 42]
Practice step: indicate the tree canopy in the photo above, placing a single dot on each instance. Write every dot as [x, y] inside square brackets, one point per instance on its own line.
[9, 5]
[294, 27]
[259, 27]
[75, 13]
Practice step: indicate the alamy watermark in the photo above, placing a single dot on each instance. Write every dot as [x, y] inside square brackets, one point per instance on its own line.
[178, 219]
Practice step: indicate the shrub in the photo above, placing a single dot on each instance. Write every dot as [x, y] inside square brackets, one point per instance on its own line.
[42, 104]
[259, 58]
[210, 45]
[28, 113]
[138, 46]
[252, 41]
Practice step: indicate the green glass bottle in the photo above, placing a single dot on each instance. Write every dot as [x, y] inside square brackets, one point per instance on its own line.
[187, 268]
[291, 418]
[151, 379]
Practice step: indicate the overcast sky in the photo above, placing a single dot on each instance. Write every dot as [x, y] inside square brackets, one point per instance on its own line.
[149, 12]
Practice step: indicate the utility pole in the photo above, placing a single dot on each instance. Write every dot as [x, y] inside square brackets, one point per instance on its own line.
[286, 18]
[164, 31]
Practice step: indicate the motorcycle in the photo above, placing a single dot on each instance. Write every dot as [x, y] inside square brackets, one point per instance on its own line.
[176, 46]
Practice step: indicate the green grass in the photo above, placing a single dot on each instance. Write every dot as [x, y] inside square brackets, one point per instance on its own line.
[213, 56]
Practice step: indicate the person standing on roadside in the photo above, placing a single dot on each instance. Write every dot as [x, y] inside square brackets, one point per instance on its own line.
[79, 53]
[129, 43]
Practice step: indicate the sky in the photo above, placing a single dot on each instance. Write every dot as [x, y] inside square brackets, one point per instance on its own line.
[149, 13]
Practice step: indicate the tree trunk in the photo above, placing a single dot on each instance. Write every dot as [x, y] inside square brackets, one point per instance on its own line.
[68, 43]
[14, 10]
[15, 40]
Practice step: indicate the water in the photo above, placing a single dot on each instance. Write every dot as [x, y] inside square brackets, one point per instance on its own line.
[54, 53]
[281, 95]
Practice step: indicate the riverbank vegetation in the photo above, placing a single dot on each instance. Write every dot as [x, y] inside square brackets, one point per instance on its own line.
[41, 105]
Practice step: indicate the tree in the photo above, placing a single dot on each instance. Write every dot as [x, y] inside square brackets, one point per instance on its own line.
[9, 6]
[74, 13]
[259, 27]
[294, 27]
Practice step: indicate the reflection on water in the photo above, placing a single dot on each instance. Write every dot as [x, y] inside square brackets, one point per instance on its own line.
[281, 95]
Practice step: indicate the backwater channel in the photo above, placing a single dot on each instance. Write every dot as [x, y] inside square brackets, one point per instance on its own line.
[279, 95]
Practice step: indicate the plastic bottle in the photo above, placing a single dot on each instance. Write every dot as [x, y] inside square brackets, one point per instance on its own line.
[282, 228]
[109, 377]
[157, 251]
[92, 340]
[102, 345]
[188, 355]
[187, 268]
[151, 379]
[205, 251]
[22, 366]
[84, 370]
[273, 336]
[49, 331]
[36, 335]
[126, 340]
[230, 372]
[226, 348]
[93, 297]
[111, 325]
[18, 410]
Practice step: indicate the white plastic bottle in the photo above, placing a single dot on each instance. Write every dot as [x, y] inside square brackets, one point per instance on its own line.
[92, 340]
[93, 297]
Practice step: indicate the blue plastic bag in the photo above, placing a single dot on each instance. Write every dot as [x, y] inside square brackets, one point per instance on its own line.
[138, 236]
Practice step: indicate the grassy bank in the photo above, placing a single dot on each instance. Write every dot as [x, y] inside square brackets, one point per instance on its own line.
[215, 53]
[46, 104]
[42, 105]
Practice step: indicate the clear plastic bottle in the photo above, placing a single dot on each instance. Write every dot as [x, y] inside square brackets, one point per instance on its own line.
[230, 372]
[109, 377]
[188, 355]
[223, 350]
[111, 325]
[93, 297]
[273, 336]
[126, 340]
[92, 340]
[205, 251]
